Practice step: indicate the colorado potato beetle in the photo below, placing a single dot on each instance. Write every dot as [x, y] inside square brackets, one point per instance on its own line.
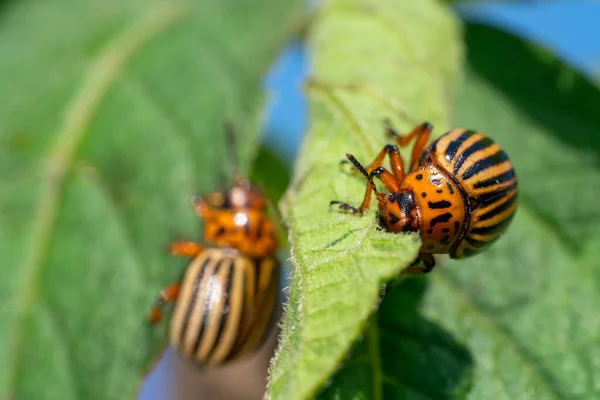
[225, 304]
[460, 193]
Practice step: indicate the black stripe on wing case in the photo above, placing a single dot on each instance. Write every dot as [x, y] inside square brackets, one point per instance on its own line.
[499, 209]
[478, 243]
[487, 199]
[481, 144]
[206, 310]
[192, 305]
[496, 180]
[226, 312]
[485, 163]
[455, 144]
[492, 229]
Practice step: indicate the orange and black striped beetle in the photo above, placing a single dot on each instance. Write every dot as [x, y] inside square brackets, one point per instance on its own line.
[225, 302]
[460, 193]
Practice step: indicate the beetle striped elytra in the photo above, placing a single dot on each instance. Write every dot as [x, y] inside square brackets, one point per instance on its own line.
[225, 304]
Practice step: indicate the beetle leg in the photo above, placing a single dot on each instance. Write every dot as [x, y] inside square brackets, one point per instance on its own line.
[167, 295]
[396, 162]
[421, 133]
[353, 209]
[427, 259]
[386, 177]
[370, 187]
[185, 249]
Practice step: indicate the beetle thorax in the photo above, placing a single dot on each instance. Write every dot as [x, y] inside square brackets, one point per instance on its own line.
[440, 205]
[397, 212]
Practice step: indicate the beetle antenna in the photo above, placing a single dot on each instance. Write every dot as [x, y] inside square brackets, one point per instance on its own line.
[363, 171]
[230, 143]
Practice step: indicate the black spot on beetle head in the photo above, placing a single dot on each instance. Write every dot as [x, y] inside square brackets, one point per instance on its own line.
[396, 212]
[407, 228]
[392, 197]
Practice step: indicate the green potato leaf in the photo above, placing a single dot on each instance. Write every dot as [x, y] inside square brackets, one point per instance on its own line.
[110, 121]
[370, 60]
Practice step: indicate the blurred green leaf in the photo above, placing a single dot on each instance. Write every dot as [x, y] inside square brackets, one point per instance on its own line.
[273, 177]
[527, 307]
[371, 60]
[110, 121]
[270, 172]
[403, 355]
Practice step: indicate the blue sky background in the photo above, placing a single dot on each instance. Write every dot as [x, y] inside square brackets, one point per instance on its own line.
[569, 28]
